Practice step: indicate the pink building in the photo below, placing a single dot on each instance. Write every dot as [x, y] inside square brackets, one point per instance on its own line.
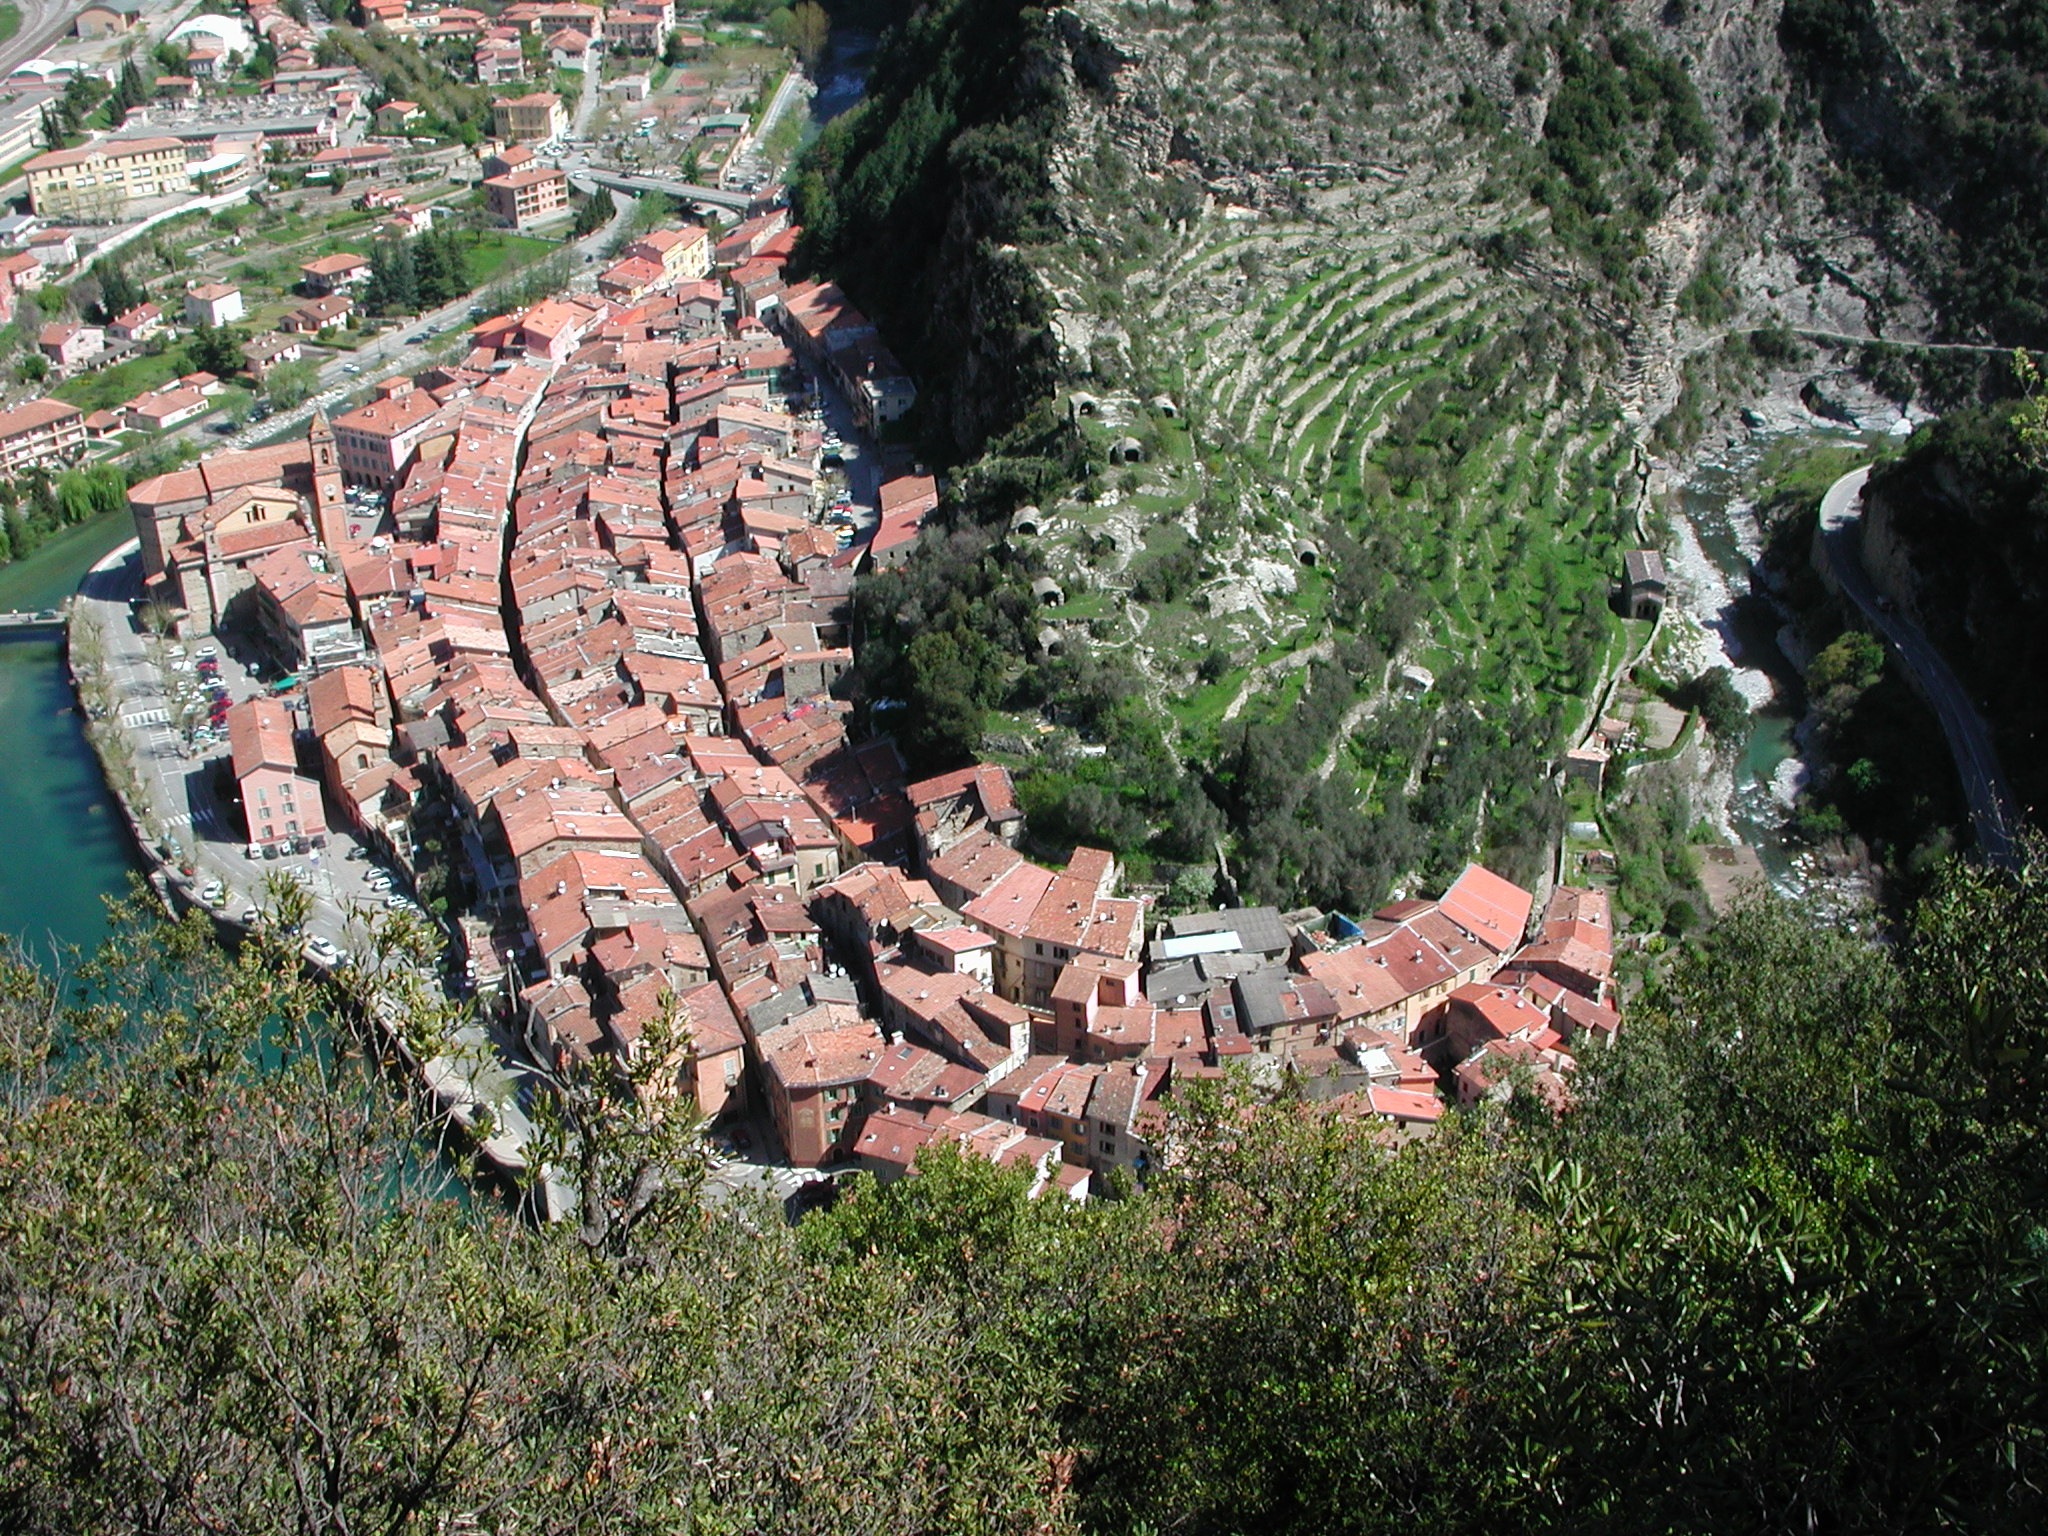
[281, 805]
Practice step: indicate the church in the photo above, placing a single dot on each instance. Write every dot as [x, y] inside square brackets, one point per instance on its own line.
[204, 526]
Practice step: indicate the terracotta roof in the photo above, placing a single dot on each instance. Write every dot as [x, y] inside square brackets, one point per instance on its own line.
[1493, 910]
[260, 736]
[331, 266]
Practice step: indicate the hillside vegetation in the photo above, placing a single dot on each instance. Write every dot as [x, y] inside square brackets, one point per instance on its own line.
[1303, 428]
[1782, 1269]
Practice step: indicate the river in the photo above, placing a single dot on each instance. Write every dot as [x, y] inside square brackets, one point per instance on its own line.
[1715, 541]
[63, 847]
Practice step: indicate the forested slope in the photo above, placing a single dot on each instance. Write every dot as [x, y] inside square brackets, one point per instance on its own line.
[1963, 517]
[1785, 1268]
[913, 199]
[1334, 367]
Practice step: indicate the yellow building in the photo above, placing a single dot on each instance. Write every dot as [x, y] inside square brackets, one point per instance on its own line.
[101, 181]
[682, 254]
[529, 119]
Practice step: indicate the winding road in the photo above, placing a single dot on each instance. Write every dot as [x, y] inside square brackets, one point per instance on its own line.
[1969, 739]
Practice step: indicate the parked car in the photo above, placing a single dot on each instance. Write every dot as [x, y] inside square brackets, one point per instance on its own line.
[322, 951]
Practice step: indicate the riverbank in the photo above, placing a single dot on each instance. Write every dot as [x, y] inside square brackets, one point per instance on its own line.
[188, 841]
[1732, 619]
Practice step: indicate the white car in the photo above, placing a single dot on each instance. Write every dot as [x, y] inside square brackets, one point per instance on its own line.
[322, 952]
[213, 893]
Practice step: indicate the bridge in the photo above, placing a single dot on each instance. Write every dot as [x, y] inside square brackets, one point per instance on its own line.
[29, 619]
[689, 192]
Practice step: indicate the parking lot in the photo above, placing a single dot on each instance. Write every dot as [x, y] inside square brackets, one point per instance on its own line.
[173, 697]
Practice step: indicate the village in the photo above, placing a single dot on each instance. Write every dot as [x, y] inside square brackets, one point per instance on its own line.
[545, 642]
[240, 178]
[573, 608]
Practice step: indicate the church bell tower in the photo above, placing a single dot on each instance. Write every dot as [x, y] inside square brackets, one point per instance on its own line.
[330, 506]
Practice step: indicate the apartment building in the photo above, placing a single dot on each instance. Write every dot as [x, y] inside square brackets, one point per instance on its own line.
[280, 806]
[39, 431]
[535, 117]
[638, 28]
[529, 196]
[375, 442]
[682, 254]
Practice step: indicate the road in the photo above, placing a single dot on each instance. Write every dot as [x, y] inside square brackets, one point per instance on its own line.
[180, 782]
[480, 1067]
[795, 85]
[1969, 739]
[394, 353]
[586, 104]
[43, 22]
[689, 191]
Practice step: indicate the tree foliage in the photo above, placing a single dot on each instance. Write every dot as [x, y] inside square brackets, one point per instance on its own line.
[1781, 1267]
[909, 199]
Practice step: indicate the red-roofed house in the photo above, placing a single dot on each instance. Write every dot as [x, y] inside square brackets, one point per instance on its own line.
[906, 502]
[329, 274]
[137, 323]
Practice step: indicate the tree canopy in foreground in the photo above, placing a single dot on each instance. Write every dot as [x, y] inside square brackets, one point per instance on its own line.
[1782, 1268]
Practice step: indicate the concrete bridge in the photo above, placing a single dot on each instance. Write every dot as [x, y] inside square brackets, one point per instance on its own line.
[17, 620]
[711, 197]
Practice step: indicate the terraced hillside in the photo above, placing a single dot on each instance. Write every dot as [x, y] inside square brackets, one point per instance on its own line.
[1364, 324]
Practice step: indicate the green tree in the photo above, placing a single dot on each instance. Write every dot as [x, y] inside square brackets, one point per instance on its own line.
[288, 384]
[1721, 706]
[810, 31]
[393, 288]
[118, 291]
[215, 349]
[597, 211]
[945, 680]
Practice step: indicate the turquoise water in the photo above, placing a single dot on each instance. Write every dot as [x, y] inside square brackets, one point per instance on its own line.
[1725, 528]
[63, 847]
